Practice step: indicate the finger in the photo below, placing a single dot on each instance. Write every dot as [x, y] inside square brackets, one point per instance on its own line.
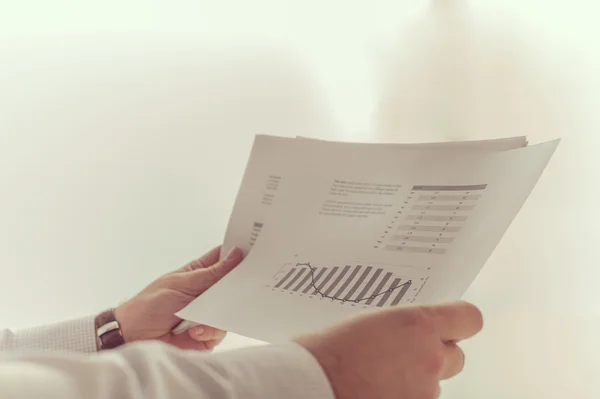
[184, 341]
[196, 282]
[231, 260]
[207, 260]
[206, 333]
[456, 321]
[454, 361]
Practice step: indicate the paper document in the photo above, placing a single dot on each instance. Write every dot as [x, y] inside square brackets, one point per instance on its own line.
[266, 168]
[348, 227]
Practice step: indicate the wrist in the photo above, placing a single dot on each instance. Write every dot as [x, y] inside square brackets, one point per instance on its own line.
[328, 362]
[120, 313]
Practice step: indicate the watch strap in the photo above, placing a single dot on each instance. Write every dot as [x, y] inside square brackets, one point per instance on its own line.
[108, 331]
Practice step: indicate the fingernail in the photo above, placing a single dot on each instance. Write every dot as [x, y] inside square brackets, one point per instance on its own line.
[198, 331]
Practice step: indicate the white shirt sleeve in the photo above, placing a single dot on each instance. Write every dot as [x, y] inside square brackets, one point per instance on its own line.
[77, 335]
[153, 370]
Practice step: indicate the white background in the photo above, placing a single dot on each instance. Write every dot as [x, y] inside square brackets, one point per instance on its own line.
[125, 127]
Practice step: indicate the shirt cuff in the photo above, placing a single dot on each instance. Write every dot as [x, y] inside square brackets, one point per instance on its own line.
[78, 335]
[276, 371]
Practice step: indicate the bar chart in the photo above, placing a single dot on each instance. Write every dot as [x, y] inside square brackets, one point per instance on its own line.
[368, 285]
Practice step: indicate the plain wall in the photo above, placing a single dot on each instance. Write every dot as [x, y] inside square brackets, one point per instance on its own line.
[125, 128]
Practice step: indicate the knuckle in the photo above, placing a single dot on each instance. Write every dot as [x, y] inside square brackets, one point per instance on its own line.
[196, 264]
[213, 272]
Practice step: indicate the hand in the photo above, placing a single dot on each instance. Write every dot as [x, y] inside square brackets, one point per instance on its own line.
[395, 353]
[151, 313]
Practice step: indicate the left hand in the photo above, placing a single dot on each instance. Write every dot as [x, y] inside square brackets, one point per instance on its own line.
[151, 313]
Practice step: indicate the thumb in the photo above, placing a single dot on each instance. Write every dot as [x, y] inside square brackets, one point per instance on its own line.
[197, 281]
[224, 266]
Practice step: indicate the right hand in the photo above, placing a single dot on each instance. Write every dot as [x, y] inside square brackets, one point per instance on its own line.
[397, 353]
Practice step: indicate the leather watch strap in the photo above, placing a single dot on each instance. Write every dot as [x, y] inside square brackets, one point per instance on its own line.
[108, 331]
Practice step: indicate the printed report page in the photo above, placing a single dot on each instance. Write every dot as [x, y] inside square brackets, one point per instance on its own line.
[358, 228]
[266, 172]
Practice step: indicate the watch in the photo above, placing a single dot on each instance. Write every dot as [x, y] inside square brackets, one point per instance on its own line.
[108, 331]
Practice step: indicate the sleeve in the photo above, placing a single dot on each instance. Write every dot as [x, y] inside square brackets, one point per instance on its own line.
[78, 335]
[153, 370]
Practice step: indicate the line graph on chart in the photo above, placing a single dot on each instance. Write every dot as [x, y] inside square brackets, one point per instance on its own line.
[357, 284]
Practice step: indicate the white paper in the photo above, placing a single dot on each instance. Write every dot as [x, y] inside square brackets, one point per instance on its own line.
[266, 168]
[503, 144]
[358, 227]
